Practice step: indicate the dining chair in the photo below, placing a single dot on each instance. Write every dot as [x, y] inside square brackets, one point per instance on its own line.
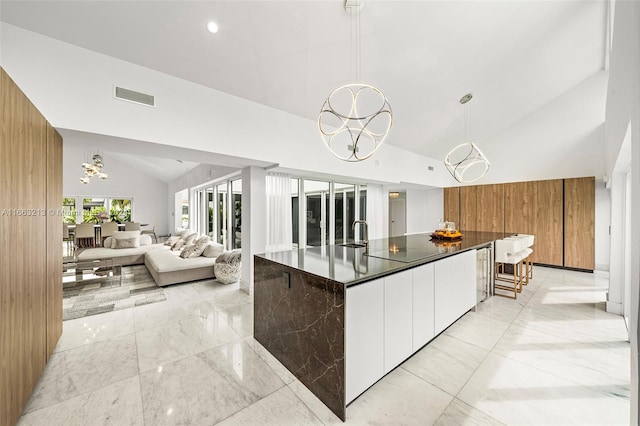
[67, 237]
[107, 229]
[85, 235]
[151, 232]
[132, 226]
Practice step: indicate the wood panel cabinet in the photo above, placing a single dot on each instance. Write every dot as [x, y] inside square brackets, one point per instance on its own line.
[54, 237]
[547, 223]
[24, 301]
[560, 213]
[520, 211]
[579, 222]
[452, 205]
[468, 212]
[490, 208]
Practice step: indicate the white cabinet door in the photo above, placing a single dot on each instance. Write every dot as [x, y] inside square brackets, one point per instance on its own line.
[454, 288]
[423, 308]
[464, 278]
[398, 319]
[364, 336]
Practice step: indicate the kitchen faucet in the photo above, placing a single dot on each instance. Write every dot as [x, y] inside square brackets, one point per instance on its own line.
[366, 232]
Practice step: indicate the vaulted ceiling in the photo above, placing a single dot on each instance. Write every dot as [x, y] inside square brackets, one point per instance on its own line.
[514, 56]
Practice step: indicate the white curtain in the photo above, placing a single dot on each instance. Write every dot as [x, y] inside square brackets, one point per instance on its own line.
[375, 207]
[279, 224]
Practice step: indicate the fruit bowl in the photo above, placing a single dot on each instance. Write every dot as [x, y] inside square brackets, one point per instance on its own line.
[442, 234]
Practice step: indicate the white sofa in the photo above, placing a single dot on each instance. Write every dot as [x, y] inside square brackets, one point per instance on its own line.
[121, 256]
[165, 265]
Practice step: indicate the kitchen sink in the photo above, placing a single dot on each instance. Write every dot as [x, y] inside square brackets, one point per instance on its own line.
[353, 245]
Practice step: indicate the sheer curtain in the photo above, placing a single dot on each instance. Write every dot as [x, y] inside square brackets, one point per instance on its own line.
[279, 231]
[375, 207]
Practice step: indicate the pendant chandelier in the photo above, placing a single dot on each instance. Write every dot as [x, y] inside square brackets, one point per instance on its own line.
[466, 162]
[356, 118]
[93, 169]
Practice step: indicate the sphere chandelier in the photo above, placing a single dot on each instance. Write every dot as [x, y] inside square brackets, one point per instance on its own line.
[356, 118]
[466, 162]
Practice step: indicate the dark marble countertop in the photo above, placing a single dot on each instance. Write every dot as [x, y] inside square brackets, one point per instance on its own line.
[385, 256]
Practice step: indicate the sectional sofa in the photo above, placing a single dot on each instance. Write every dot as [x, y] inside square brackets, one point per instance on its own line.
[165, 265]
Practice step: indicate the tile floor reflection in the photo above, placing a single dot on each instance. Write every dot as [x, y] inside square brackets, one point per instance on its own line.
[554, 356]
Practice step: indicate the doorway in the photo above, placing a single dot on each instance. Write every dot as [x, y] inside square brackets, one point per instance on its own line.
[397, 215]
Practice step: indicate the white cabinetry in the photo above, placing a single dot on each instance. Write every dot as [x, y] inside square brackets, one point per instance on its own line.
[455, 288]
[364, 336]
[423, 307]
[389, 319]
[398, 319]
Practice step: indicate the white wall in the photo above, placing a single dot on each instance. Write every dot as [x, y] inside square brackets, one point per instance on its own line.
[571, 126]
[424, 209]
[149, 194]
[622, 109]
[254, 221]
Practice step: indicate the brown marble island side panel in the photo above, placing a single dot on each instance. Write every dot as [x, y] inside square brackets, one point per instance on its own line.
[302, 325]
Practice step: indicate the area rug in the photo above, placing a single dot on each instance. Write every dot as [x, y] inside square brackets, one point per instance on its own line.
[97, 296]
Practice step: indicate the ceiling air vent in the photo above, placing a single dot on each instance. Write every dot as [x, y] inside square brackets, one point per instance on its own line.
[137, 97]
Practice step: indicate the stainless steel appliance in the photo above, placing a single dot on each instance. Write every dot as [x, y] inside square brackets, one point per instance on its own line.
[484, 273]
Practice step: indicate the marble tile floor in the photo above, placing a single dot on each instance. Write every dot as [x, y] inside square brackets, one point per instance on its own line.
[552, 357]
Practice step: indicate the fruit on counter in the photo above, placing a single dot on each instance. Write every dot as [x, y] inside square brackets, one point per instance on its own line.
[447, 233]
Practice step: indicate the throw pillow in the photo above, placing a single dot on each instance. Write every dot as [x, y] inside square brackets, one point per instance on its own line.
[172, 240]
[107, 243]
[145, 240]
[213, 250]
[178, 245]
[188, 240]
[187, 251]
[122, 243]
[183, 233]
[125, 234]
[200, 246]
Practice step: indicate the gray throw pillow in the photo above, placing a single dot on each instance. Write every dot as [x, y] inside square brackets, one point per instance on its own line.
[172, 240]
[122, 243]
[187, 251]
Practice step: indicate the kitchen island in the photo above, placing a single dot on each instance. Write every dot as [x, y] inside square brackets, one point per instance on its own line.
[340, 318]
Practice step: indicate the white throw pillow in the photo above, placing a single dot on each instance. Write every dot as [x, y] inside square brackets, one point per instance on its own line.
[178, 245]
[189, 239]
[125, 234]
[145, 240]
[213, 250]
[200, 245]
[171, 240]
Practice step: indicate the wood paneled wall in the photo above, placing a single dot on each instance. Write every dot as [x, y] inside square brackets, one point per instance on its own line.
[468, 211]
[560, 213]
[452, 205]
[547, 223]
[490, 208]
[579, 223]
[29, 323]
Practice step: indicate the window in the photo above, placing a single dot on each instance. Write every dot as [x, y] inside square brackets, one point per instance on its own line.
[69, 210]
[236, 213]
[93, 210]
[221, 212]
[120, 210]
[295, 221]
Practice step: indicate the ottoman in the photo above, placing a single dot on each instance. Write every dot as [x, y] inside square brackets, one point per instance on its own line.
[228, 267]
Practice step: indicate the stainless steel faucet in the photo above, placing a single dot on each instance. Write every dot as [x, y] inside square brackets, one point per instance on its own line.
[366, 231]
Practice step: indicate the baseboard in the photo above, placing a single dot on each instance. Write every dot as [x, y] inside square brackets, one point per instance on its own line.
[614, 308]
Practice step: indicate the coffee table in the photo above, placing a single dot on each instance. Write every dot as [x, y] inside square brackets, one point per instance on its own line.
[76, 271]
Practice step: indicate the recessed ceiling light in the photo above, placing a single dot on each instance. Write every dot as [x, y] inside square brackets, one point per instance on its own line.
[212, 27]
